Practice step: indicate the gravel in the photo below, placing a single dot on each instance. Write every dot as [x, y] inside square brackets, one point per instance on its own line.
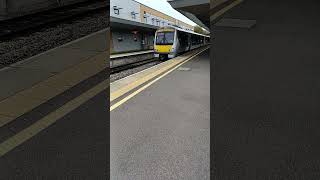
[31, 44]
[122, 74]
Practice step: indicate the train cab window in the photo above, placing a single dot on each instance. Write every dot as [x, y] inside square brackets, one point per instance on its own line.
[165, 38]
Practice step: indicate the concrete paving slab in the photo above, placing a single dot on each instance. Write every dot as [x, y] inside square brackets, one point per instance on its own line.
[114, 56]
[163, 132]
[58, 60]
[74, 75]
[60, 83]
[97, 43]
[6, 165]
[18, 105]
[126, 84]
[73, 148]
[51, 87]
[236, 23]
[266, 93]
[122, 59]
[4, 119]
[44, 92]
[25, 74]
[14, 80]
[56, 102]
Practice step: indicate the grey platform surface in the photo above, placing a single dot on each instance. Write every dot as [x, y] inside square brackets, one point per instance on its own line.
[114, 56]
[163, 132]
[266, 93]
[75, 147]
[25, 74]
[236, 23]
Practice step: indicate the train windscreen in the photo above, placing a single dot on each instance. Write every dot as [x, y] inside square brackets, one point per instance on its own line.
[165, 38]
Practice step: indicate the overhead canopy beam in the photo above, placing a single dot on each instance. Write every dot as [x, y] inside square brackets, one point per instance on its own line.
[184, 3]
[196, 10]
[118, 23]
[194, 19]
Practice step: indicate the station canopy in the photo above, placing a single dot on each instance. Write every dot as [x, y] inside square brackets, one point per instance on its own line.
[195, 10]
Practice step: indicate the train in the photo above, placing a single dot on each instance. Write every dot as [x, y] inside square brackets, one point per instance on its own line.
[172, 41]
[15, 8]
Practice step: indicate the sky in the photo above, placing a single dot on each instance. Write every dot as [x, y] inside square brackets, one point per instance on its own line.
[164, 7]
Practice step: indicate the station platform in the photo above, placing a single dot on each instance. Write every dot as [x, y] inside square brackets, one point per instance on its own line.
[266, 92]
[121, 55]
[160, 121]
[53, 115]
[24, 74]
[125, 58]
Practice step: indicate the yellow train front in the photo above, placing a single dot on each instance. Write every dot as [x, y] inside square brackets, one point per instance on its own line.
[172, 41]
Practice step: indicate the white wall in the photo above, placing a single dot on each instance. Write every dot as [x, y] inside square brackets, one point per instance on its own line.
[128, 43]
[127, 6]
[149, 21]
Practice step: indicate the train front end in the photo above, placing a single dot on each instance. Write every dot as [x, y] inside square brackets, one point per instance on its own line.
[164, 44]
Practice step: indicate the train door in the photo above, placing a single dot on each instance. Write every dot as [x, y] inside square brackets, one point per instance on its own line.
[193, 41]
[183, 39]
[189, 42]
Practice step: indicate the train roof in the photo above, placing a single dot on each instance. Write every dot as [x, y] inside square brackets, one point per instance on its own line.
[180, 29]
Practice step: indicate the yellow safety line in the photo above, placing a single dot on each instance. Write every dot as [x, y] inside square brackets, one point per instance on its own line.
[54, 116]
[140, 81]
[50, 119]
[224, 10]
[150, 83]
[28, 99]
[125, 89]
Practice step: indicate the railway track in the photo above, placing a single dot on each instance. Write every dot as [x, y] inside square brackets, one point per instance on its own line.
[13, 27]
[120, 68]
